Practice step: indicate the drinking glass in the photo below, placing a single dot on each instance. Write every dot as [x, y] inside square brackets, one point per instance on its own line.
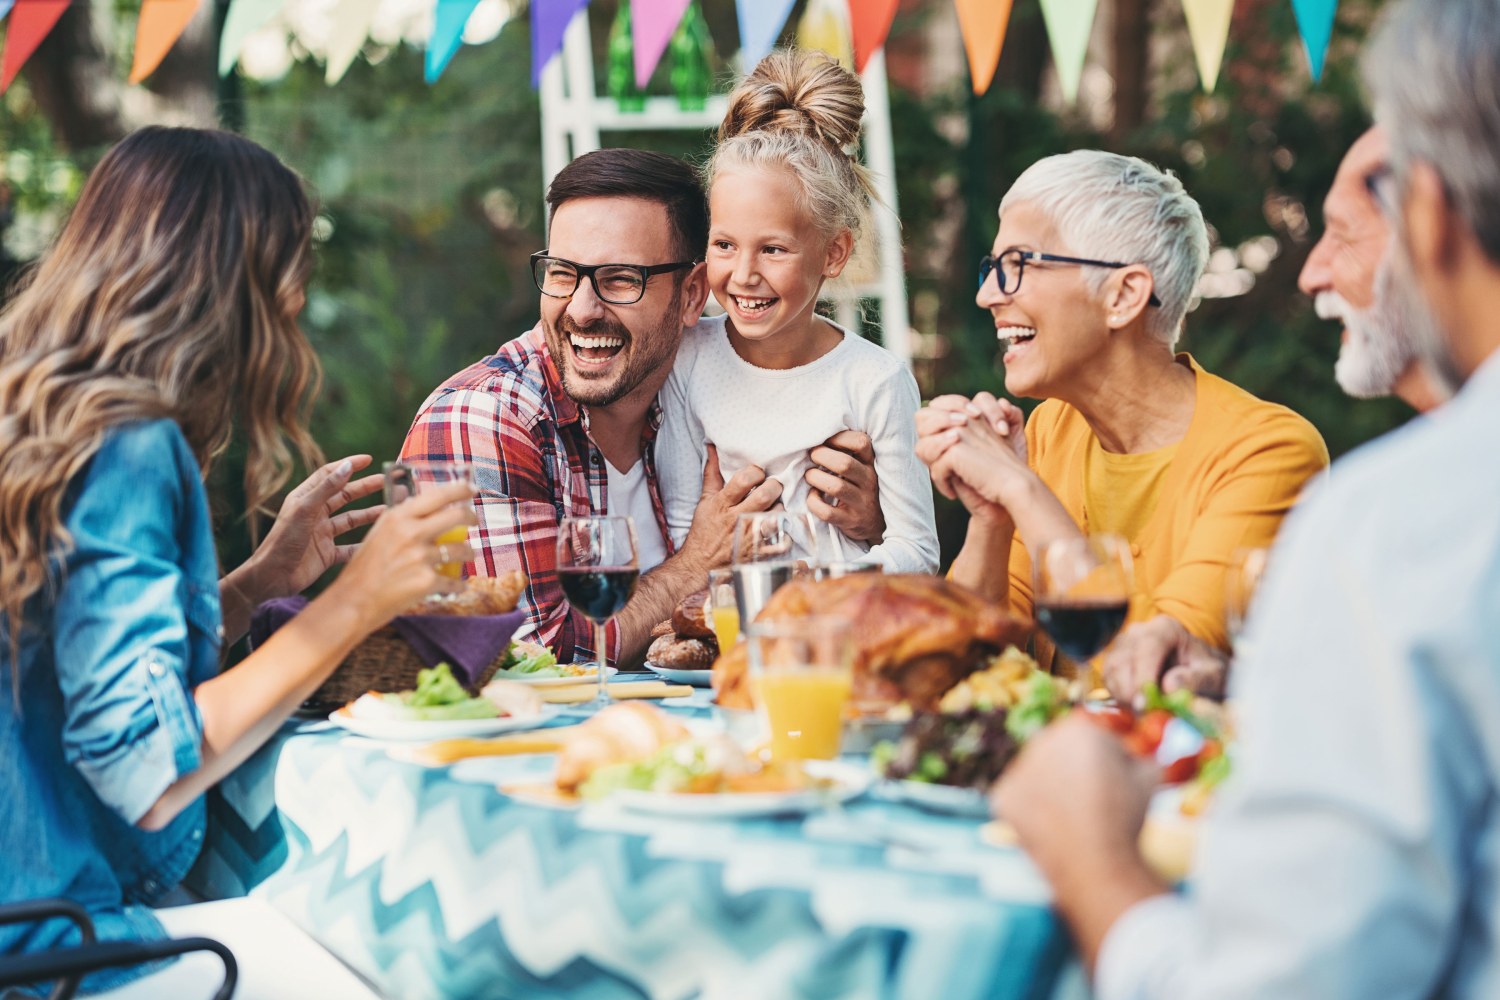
[1246, 567]
[403, 480]
[827, 559]
[598, 566]
[1083, 595]
[723, 608]
[763, 557]
[801, 673]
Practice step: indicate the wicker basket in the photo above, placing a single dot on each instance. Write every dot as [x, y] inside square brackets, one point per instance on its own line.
[383, 662]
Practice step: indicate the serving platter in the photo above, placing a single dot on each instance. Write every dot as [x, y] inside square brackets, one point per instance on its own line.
[697, 678]
[550, 682]
[838, 782]
[424, 730]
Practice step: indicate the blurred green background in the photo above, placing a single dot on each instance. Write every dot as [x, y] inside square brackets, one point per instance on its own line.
[432, 196]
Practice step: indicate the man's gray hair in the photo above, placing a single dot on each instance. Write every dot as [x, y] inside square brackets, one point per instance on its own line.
[1118, 208]
[1434, 71]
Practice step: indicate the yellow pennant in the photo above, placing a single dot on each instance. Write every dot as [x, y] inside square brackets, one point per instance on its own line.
[1208, 27]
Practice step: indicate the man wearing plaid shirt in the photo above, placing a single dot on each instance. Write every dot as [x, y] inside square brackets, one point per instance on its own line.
[551, 419]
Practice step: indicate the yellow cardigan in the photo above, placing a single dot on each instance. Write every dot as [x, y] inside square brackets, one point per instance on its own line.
[1237, 472]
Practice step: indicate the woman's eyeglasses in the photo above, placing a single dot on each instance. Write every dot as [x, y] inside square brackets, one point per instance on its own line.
[1011, 266]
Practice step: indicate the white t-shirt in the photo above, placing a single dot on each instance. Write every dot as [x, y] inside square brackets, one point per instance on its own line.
[772, 418]
[629, 494]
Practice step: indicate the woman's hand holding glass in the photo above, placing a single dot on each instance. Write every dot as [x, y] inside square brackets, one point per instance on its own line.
[400, 560]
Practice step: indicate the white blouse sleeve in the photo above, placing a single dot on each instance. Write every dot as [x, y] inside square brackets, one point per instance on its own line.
[888, 413]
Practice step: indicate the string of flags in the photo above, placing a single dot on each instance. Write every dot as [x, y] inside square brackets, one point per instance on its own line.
[850, 29]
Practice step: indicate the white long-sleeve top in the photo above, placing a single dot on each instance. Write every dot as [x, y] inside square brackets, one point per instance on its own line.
[1355, 852]
[773, 418]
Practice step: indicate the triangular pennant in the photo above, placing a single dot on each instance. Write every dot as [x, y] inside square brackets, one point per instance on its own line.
[983, 24]
[1069, 24]
[351, 26]
[1315, 23]
[1208, 27]
[761, 22]
[245, 17]
[447, 34]
[549, 22]
[869, 23]
[161, 24]
[825, 28]
[31, 22]
[652, 24]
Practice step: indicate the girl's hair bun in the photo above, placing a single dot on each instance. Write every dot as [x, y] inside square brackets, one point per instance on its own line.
[797, 92]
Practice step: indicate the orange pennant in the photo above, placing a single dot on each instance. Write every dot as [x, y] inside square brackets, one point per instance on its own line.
[870, 21]
[161, 24]
[983, 23]
[30, 22]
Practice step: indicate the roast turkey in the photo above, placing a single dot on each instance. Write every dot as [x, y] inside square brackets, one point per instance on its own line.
[915, 636]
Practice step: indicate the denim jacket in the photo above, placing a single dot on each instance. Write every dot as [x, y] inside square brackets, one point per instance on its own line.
[106, 719]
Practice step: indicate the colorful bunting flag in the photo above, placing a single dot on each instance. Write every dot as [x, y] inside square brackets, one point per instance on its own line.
[351, 26]
[652, 24]
[1069, 24]
[1315, 23]
[1208, 27]
[870, 23]
[162, 23]
[761, 22]
[447, 34]
[245, 17]
[825, 28]
[983, 24]
[33, 20]
[549, 22]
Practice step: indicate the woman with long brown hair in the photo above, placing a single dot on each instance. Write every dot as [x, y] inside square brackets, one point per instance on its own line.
[163, 319]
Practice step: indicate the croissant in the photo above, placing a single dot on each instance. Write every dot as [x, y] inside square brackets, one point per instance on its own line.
[914, 636]
[619, 734]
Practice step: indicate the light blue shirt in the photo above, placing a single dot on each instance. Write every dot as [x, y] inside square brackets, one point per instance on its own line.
[106, 719]
[1356, 850]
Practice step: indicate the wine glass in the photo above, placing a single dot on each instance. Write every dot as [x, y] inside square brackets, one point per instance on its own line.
[1083, 595]
[403, 479]
[598, 566]
[763, 558]
[723, 608]
[1246, 568]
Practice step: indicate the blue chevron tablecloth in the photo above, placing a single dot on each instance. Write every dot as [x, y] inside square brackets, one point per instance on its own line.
[433, 884]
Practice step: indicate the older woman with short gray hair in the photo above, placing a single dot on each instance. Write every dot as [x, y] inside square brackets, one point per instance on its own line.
[1091, 275]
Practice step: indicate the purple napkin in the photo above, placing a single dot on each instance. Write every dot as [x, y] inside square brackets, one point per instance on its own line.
[468, 643]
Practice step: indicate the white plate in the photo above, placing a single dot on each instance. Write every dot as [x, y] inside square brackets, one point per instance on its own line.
[847, 781]
[697, 678]
[438, 729]
[552, 682]
[946, 799]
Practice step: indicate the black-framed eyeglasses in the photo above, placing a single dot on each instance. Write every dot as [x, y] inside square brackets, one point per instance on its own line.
[617, 284]
[1380, 182]
[1011, 266]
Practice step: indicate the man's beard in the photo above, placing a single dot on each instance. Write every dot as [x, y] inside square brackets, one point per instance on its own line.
[1382, 342]
[643, 356]
[1429, 344]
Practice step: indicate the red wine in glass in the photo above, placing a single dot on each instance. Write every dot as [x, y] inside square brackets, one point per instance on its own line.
[598, 591]
[1082, 628]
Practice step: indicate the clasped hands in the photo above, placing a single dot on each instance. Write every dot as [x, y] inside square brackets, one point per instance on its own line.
[975, 450]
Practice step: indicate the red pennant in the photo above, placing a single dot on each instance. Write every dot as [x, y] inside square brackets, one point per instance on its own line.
[30, 22]
[870, 21]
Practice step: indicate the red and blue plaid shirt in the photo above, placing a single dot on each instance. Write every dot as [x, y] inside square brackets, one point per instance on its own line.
[534, 463]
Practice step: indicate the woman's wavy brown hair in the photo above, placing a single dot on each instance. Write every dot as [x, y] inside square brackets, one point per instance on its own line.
[172, 291]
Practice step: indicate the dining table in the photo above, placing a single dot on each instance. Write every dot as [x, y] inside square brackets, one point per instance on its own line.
[434, 882]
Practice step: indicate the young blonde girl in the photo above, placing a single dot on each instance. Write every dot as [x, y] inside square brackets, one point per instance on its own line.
[771, 379]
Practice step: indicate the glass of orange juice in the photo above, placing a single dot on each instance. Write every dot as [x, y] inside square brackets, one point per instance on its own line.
[801, 674]
[723, 609]
[404, 478]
